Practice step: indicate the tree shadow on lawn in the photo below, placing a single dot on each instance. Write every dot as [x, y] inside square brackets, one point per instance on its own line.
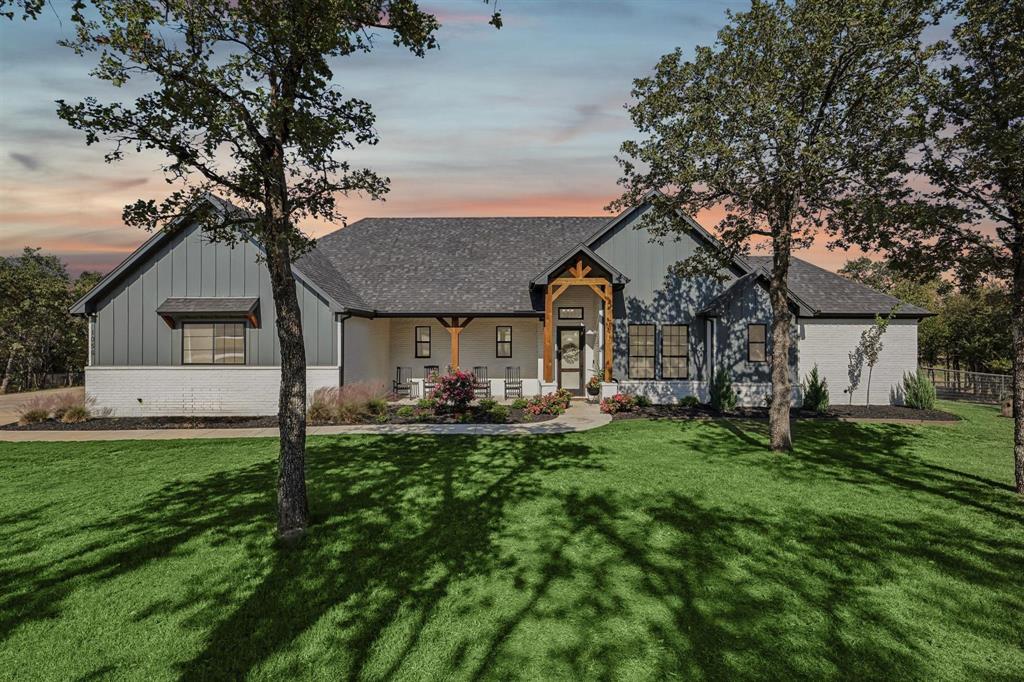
[750, 595]
[483, 558]
[871, 456]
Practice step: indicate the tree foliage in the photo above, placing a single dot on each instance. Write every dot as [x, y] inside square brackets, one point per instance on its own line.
[963, 210]
[794, 118]
[971, 326]
[38, 336]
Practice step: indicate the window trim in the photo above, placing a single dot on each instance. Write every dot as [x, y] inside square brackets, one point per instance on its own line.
[498, 343]
[416, 340]
[685, 355]
[245, 344]
[570, 307]
[762, 343]
[654, 348]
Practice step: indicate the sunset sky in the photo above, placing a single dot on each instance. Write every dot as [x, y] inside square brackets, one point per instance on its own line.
[521, 121]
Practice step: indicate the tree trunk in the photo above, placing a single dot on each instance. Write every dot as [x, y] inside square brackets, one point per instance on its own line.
[867, 395]
[292, 505]
[1017, 329]
[7, 372]
[778, 412]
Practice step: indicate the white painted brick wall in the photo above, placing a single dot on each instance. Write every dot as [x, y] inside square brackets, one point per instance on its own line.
[828, 343]
[749, 394]
[174, 391]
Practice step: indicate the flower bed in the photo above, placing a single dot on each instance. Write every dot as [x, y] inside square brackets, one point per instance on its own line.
[703, 411]
[622, 403]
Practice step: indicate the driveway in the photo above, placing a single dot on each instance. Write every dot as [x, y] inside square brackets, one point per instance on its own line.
[10, 402]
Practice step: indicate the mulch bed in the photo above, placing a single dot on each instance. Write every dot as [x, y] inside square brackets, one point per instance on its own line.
[140, 423]
[888, 412]
[476, 416]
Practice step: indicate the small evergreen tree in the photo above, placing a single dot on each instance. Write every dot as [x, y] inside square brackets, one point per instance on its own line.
[815, 392]
[723, 396]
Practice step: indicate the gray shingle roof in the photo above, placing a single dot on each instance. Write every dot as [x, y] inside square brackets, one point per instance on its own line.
[830, 294]
[233, 305]
[315, 265]
[449, 265]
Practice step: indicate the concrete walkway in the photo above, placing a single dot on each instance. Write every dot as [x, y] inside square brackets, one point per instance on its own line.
[581, 416]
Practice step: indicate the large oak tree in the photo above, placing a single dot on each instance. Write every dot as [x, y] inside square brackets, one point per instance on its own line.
[241, 97]
[794, 116]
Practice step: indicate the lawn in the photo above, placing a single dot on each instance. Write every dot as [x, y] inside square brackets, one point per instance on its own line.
[642, 550]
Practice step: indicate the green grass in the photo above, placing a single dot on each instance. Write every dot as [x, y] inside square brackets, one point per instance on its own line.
[643, 550]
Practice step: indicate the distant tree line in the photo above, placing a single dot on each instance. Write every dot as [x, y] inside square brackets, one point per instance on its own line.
[38, 335]
[972, 323]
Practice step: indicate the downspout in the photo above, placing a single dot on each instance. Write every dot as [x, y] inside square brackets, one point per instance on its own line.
[341, 346]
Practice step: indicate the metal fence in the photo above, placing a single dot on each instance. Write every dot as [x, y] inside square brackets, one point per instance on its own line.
[956, 384]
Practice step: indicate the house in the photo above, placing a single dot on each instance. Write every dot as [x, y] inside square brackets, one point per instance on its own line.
[186, 326]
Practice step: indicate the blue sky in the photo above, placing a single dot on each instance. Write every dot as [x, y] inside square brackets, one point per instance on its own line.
[521, 121]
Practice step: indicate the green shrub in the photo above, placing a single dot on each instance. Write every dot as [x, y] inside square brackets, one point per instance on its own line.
[406, 412]
[498, 414]
[723, 397]
[918, 392]
[377, 407]
[815, 392]
[642, 400]
[488, 404]
[689, 401]
[426, 404]
[519, 404]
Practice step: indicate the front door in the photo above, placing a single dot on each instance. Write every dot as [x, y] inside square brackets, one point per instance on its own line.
[570, 359]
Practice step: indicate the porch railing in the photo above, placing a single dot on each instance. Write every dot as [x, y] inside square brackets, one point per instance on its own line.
[958, 384]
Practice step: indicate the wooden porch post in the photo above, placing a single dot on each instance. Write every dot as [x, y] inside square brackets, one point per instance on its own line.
[455, 331]
[455, 328]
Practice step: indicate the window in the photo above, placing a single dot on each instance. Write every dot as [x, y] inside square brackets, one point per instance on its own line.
[641, 351]
[675, 351]
[570, 313]
[756, 347]
[423, 342]
[213, 343]
[503, 342]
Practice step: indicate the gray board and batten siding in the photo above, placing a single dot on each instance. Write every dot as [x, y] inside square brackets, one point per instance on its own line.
[654, 295]
[129, 332]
